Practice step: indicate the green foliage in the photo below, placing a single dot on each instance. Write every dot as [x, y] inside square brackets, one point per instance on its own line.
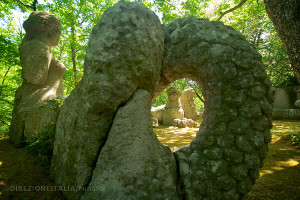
[41, 144]
[295, 140]
[10, 80]
[78, 18]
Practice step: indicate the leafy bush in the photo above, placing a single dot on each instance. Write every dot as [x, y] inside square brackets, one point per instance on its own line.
[296, 140]
[41, 145]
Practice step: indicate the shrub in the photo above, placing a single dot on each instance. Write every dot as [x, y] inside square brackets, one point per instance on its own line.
[41, 145]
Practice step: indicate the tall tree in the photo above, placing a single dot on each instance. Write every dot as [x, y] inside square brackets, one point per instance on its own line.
[285, 15]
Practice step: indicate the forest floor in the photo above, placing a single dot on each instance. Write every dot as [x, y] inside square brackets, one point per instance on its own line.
[279, 178]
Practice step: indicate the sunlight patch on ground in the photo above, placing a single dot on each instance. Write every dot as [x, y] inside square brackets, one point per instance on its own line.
[274, 167]
[282, 127]
[0, 163]
[277, 168]
[289, 163]
[266, 171]
[175, 137]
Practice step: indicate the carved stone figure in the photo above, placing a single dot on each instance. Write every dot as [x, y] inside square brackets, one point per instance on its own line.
[286, 103]
[188, 104]
[157, 114]
[42, 76]
[297, 102]
[104, 139]
[173, 109]
[281, 99]
[172, 113]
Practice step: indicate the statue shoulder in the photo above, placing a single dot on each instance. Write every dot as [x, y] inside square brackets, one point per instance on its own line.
[34, 47]
[35, 58]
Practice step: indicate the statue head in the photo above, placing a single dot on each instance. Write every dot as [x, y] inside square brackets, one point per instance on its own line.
[187, 95]
[43, 25]
[173, 93]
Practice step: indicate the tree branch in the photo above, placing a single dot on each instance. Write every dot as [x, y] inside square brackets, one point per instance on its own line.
[32, 6]
[232, 9]
[196, 92]
[161, 100]
[5, 75]
[258, 37]
[61, 51]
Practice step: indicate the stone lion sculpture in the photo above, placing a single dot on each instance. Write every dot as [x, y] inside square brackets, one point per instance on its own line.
[188, 104]
[42, 76]
[173, 109]
[171, 114]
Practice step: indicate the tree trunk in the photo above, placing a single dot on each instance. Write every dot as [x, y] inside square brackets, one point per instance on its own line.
[285, 15]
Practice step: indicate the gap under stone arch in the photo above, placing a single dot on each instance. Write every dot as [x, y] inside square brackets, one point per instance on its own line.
[186, 126]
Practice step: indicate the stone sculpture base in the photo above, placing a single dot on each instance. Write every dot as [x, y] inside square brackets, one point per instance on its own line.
[286, 114]
[34, 119]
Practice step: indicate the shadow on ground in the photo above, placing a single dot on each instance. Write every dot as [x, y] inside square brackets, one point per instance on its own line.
[280, 176]
[20, 176]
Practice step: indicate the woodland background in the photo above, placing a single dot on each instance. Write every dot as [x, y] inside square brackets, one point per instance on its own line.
[79, 16]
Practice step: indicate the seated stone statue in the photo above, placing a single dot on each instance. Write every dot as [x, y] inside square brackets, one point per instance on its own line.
[297, 102]
[188, 104]
[172, 113]
[42, 76]
[173, 109]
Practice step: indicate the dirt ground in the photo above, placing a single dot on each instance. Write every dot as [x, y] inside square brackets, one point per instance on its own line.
[19, 176]
[22, 179]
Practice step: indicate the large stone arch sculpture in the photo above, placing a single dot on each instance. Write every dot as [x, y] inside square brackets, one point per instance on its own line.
[104, 137]
[224, 160]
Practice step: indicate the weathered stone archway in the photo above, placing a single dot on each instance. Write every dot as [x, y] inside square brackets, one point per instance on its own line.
[104, 137]
[224, 160]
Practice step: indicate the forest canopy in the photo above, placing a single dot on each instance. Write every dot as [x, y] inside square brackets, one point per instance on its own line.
[79, 16]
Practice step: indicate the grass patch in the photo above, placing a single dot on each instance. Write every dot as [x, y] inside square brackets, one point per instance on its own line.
[279, 177]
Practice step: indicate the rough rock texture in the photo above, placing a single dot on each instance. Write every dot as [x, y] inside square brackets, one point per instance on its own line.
[281, 99]
[191, 123]
[188, 104]
[224, 159]
[101, 134]
[124, 53]
[42, 76]
[42, 114]
[133, 164]
[173, 109]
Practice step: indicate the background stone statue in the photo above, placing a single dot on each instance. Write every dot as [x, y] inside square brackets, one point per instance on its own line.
[188, 104]
[286, 102]
[173, 109]
[172, 114]
[42, 76]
